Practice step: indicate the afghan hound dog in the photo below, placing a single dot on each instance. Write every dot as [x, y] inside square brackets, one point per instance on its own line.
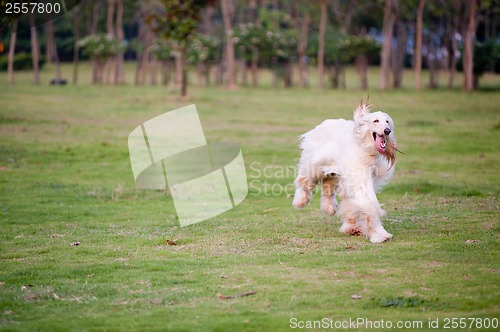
[351, 159]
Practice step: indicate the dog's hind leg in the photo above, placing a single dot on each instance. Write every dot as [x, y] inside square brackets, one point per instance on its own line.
[327, 202]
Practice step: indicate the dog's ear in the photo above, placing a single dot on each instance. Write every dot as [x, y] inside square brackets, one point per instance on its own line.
[361, 111]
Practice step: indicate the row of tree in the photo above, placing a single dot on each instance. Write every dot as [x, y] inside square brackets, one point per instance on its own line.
[229, 36]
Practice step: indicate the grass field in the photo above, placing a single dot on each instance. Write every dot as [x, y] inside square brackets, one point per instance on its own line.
[65, 177]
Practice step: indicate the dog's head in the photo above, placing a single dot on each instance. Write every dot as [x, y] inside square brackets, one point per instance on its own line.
[375, 132]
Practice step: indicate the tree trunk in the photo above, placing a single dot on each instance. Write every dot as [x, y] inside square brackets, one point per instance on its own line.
[244, 72]
[53, 51]
[431, 64]
[254, 66]
[399, 54]
[141, 52]
[178, 66]
[252, 10]
[475, 81]
[452, 59]
[208, 69]
[153, 64]
[207, 20]
[49, 40]
[119, 60]
[109, 68]
[76, 32]
[288, 74]
[219, 72]
[340, 75]
[385, 52]
[227, 16]
[301, 19]
[96, 66]
[276, 77]
[469, 39]
[418, 45]
[165, 72]
[148, 41]
[12, 51]
[35, 51]
[184, 82]
[336, 75]
[321, 45]
[302, 48]
[362, 67]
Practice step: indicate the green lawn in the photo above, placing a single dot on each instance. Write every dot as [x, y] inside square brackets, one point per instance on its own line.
[65, 176]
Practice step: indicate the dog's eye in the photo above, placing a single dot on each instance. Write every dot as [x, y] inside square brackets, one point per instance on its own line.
[375, 121]
[387, 121]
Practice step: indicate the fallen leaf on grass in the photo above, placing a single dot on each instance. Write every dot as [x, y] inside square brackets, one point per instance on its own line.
[356, 297]
[56, 235]
[222, 297]
[350, 248]
[2, 168]
[171, 243]
[471, 241]
[73, 244]
[56, 296]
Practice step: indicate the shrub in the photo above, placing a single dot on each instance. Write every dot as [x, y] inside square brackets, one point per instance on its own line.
[101, 46]
[22, 61]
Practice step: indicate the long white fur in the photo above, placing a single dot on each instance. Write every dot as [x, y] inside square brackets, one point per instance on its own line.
[341, 155]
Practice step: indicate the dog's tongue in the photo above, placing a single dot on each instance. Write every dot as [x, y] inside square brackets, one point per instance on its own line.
[380, 144]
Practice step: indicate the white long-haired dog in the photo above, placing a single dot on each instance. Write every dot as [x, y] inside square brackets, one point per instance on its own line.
[353, 159]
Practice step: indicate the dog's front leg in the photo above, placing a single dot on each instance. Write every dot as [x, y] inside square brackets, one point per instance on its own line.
[374, 230]
[349, 224]
[361, 215]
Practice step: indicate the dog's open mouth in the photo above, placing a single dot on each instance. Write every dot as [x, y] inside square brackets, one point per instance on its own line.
[380, 142]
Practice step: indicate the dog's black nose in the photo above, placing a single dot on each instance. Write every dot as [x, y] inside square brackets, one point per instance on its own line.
[387, 131]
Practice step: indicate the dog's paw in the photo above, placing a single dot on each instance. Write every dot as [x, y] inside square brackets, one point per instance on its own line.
[380, 236]
[300, 199]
